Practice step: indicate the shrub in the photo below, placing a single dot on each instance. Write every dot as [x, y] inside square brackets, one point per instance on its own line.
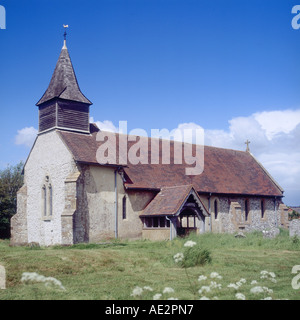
[195, 256]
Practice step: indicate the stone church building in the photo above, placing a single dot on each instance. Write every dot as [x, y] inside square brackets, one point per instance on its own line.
[69, 197]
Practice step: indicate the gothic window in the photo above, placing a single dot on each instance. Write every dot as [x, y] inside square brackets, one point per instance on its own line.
[47, 199]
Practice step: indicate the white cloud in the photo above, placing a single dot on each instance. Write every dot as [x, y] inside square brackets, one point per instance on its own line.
[278, 122]
[105, 125]
[274, 140]
[26, 136]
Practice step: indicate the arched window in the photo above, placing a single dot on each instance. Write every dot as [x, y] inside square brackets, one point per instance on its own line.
[216, 209]
[47, 199]
[124, 213]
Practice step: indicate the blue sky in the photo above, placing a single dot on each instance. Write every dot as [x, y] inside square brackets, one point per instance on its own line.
[231, 67]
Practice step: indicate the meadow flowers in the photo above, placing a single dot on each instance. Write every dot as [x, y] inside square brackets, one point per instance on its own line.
[190, 243]
[178, 257]
[215, 275]
[137, 291]
[35, 277]
[268, 275]
[240, 296]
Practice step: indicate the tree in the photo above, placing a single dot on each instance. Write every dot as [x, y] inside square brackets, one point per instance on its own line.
[11, 180]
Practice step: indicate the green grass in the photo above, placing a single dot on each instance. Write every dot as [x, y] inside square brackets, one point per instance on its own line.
[112, 270]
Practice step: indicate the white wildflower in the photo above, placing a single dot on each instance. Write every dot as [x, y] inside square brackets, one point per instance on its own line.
[215, 285]
[190, 243]
[267, 298]
[201, 278]
[253, 282]
[148, 288]
[204, 298]
[264, 272]
[257, 289]
[272, 274]
[240, 296]
[178, 257]
[215, 275]
[204, 288]
[168, 290]
[137, 291]
[268, 275]
[233, 285]
[172, 298]
[157, 296]
[242, 281]
[35, 277]
[266, 289]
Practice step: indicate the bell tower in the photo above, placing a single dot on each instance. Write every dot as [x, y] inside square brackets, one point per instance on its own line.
[63, 106]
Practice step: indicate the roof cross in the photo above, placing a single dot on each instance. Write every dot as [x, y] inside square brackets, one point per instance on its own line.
[247, 143]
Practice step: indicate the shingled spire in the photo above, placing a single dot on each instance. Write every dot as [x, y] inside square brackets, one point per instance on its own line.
[63, 105]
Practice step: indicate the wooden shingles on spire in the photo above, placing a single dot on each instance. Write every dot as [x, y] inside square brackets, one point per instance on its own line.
[64, 83]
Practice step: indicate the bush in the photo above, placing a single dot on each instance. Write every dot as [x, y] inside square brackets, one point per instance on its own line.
[195, 256]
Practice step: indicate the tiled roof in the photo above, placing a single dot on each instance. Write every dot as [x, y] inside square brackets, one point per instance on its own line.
[63, 83]
[169, 200]
[225, 171]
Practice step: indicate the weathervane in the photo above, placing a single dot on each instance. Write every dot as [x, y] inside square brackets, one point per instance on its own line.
[65, 35]
[247, 143]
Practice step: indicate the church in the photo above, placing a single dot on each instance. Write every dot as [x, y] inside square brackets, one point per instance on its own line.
[69, 196]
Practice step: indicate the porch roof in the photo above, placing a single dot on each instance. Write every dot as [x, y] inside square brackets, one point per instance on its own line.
[170, 200]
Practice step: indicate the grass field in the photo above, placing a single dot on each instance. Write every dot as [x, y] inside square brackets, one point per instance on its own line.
[111, 271]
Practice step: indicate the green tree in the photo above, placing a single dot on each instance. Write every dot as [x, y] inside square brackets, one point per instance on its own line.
[11, 180]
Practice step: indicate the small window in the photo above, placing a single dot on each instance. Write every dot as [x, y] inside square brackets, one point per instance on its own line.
[156, 222]
[50, 200]
[246, 210]
[216, 209]
[44, 199]
[124, 213]
[262, 208]
[162, 222]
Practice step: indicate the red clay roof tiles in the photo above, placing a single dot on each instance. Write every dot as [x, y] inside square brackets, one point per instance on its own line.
[225, 171]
